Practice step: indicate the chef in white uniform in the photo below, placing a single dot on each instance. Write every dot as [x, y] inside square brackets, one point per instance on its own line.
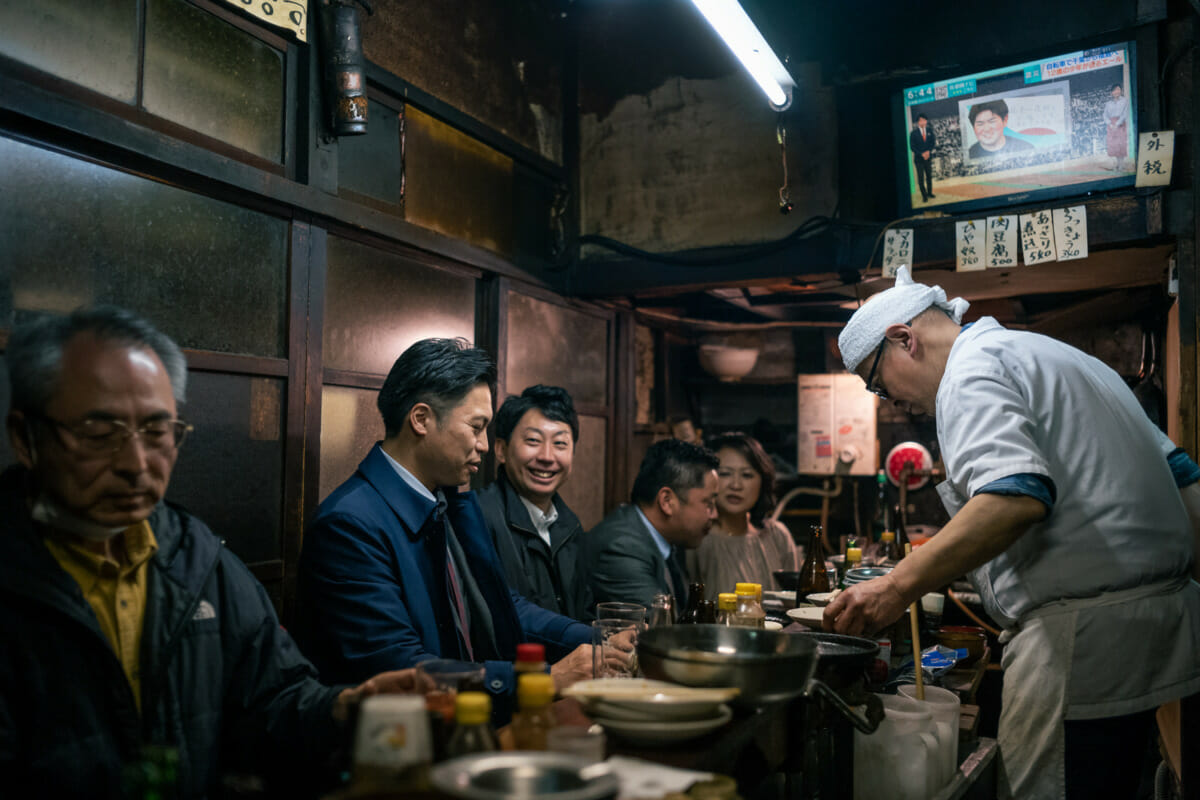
[1077, 520]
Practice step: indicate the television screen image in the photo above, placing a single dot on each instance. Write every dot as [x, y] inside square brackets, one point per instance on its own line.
[1056, 127]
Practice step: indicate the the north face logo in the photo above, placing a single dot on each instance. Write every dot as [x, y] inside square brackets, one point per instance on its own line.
[205, 611]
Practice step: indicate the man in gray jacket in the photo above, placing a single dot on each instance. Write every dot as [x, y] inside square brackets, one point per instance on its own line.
[535, 532]
[636, 552]
[125, 622]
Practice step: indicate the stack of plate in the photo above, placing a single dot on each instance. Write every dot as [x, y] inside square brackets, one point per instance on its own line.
[865, 574]
[647, 712]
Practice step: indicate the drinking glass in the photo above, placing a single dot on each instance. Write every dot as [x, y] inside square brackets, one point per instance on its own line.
[932, 604]
[613, 648]
[630, 612]
[662, 612]
[578, 741]
[443, 678]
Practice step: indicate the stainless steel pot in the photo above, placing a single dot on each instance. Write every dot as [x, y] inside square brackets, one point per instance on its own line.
[525, 776]
[766, 666]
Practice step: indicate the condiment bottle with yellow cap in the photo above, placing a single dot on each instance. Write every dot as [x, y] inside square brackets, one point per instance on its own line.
[853, 561]
[726, 605]
[473, 732]
[535, 693]
[749, 611]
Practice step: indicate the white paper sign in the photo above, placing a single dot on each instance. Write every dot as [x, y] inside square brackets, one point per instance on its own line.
[1156, 154]
[1037, 237]
[968, 244]
[1001, 248]
[1070, 232]
[897, 250]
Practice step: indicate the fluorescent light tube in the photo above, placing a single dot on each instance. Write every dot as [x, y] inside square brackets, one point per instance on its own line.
[734, 26]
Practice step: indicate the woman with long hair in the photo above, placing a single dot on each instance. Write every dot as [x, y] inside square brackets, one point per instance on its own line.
[742, 545]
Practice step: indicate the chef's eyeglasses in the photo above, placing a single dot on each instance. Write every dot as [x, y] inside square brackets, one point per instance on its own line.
[878, 391]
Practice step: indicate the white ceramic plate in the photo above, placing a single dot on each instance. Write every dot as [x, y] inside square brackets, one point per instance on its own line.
[637, 711]
[653, 733]
[645, 690]
[638, 699]
[807, 615]
[783, 597]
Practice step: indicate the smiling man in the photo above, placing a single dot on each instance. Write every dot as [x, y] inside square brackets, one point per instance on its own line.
[989, 121]
[398, 566]
[535, 532]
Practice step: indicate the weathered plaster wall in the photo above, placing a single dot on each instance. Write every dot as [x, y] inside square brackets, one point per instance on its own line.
[695, 163]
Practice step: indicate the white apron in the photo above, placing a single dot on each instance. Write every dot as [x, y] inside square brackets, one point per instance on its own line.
[1039, 655]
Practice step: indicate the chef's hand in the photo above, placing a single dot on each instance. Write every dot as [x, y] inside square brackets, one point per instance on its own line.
[864, 608]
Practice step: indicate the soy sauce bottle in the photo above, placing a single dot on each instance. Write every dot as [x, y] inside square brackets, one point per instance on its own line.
[813, 577]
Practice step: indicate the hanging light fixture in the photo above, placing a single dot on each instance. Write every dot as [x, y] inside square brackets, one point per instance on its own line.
[735, 27]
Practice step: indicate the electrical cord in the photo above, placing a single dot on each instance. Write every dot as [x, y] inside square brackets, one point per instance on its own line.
[958, 602]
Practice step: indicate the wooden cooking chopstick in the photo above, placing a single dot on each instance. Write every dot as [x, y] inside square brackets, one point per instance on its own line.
[916, 639]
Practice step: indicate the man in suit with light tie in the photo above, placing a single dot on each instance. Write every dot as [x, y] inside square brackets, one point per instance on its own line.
[636, 551]
[922, 141]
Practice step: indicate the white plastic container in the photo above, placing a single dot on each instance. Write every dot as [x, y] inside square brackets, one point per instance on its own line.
[899, 760]
[945, 706]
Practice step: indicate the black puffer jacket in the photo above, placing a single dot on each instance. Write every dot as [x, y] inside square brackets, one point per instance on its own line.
[542, 574]
[215, 664]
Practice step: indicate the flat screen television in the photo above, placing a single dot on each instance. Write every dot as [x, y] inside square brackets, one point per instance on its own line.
[1040, 130]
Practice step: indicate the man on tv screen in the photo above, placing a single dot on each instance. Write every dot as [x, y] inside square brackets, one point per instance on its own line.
[922, 141]
[989, 121]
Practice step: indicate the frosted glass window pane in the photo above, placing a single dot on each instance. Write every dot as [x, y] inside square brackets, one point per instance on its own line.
[584, 492]
[210, 274]
[350, 426]
[548, 343]
[457, 185]
[207, 75]
[370, 167]
[230, 471]
[89, 42]
[378, 303]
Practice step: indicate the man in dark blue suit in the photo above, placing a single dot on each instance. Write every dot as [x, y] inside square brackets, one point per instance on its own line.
[922, 141]
[398, 566]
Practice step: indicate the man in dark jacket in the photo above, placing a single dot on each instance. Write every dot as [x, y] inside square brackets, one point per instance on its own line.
[535, 533]
[124, 621]
[636, 552]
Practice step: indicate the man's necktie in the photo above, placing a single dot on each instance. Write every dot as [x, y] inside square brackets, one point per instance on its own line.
[458, 608]
[679, 587]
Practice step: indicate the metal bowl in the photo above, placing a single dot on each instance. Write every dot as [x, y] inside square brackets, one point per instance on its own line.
[766, 666]
[865, 574]
[525, 776]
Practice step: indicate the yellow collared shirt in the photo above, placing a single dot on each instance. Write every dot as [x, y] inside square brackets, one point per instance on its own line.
[115, 589]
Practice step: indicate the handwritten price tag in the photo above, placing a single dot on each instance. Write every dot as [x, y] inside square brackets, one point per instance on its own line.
[291, 15]
[969, 240]
[1070, 232]
[1037, 237]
